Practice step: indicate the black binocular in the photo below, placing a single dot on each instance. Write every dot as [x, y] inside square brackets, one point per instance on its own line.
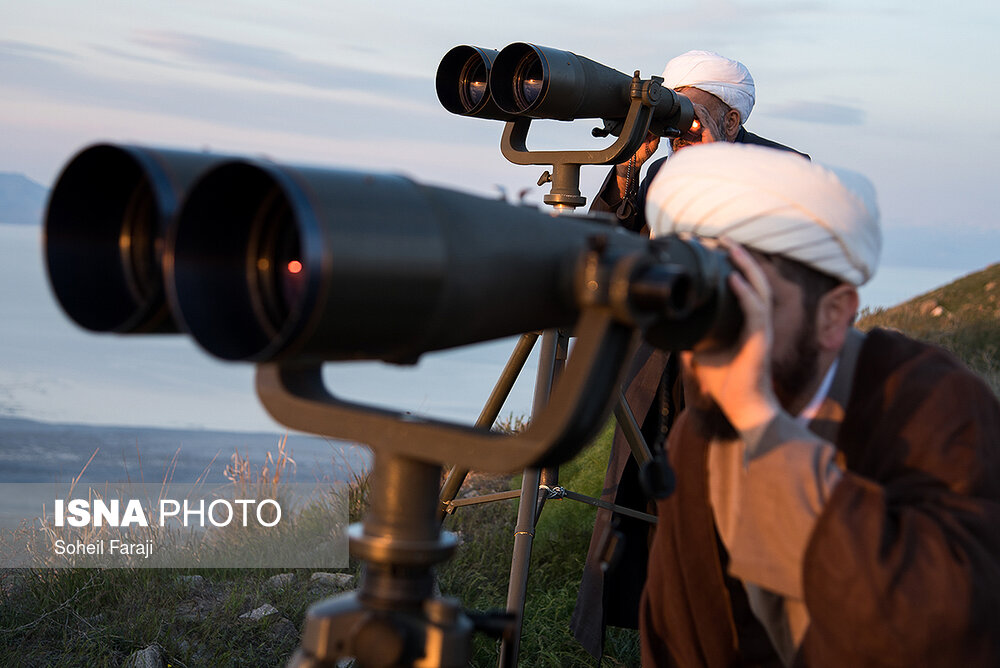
[526, 80]
[266, 262]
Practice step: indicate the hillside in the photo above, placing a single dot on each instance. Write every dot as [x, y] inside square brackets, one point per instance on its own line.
[21, 199]
[962, 316]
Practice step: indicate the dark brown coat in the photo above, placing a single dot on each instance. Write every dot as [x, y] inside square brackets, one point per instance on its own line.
[903, 566]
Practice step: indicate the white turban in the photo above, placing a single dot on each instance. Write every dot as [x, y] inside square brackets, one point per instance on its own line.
[726, 79]
[773, 201]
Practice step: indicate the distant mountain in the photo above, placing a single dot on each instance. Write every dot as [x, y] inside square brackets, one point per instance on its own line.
[22, 201]
[962, 316]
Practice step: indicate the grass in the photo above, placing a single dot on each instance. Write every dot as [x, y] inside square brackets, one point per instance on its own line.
[963, 317]
[95, 617]
[479, 572]
[99, 617]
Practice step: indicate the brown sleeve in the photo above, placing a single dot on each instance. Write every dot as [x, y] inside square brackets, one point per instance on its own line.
[903, 567]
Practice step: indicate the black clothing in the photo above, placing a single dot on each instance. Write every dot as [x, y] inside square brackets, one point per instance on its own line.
[609, 199]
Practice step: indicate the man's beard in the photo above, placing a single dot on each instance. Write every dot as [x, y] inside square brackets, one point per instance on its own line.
[791, 377]
[677, 144]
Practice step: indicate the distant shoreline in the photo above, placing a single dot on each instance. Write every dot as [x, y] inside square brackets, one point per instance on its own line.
[39, 451]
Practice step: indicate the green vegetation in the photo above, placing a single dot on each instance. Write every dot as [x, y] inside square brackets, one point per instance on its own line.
[480, 569]
[963, 317]
[93, 617]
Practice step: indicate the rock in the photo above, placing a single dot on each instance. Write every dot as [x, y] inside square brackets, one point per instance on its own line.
[197, 654]
[197, 608]
[280, 581]
[338, 580]
[926, 306]
[151, 657]
[260, 613]
[284, 629]
[191, 580]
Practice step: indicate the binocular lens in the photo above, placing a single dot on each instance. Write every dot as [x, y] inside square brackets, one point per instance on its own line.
[472, 83]
[137, 244]
[103, 235]
[462, 83]
[278, 267]
[529, 78]
[240, 278]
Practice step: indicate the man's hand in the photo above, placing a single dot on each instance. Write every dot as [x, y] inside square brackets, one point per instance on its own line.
[739, 378]
[645, 152]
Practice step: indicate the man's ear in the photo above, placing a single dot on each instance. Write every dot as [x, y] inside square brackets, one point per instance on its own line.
[731, 124]
[835, 314]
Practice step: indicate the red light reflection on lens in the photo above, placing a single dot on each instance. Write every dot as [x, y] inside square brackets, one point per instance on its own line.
[294, 267]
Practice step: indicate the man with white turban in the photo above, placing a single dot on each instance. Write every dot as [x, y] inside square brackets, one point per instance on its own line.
[722, 93]
[838, 493]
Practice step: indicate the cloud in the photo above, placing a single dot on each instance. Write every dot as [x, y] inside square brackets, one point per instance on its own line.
[265, 63]
[323, 100]
[825, 113]
[15, 48]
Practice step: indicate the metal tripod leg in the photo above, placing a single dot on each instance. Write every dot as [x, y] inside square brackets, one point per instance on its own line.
[630, 427]
[549, 365]
[490, 411]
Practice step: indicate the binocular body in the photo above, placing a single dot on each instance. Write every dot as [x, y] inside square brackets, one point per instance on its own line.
[265, 262]
[530, 81]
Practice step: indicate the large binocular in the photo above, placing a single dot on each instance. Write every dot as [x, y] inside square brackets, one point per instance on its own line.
[266, 262]
[526, 80]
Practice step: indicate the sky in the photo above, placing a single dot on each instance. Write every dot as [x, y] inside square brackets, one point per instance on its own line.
[902, 92]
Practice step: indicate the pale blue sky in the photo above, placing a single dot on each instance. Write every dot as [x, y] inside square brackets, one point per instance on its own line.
[903, 92]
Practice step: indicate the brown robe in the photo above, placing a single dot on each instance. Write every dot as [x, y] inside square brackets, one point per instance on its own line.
[903, 565]
[611, 597]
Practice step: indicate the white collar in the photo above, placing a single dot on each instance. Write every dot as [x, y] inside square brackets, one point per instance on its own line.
[812, 408]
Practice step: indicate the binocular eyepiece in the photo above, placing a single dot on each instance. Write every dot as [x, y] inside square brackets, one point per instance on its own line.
[526, 80]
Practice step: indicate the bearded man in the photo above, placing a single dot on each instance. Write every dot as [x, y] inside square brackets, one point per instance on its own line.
[838, 493]
[722, 93]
